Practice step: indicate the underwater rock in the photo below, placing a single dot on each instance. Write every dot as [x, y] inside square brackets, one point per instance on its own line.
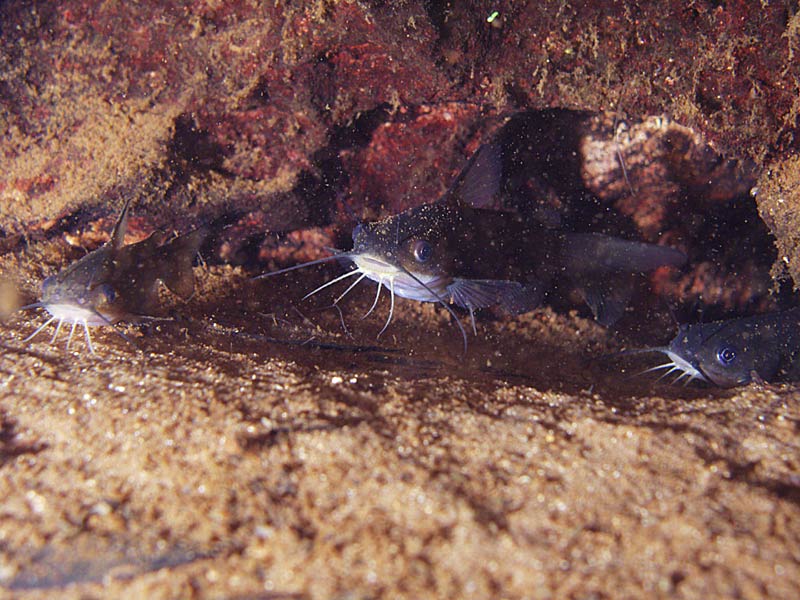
[256, 450]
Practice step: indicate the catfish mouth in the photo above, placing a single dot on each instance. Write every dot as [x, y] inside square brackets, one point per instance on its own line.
[71, 312]
[75, 315]
[375, 267]
[414, 286]
[686, 369]
[396, 279]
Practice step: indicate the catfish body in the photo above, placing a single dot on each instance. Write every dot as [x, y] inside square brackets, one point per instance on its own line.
[475, 257]
[736, 351]
[458, 251]
[119, 282]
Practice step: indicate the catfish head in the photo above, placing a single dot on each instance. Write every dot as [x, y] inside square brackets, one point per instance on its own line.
[78, 293]
[412, 253]
[735, 351]
[415, 254]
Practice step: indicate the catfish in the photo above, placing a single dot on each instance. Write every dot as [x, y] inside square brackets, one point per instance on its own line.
[118, 282]
[456, 251]
[734, 352]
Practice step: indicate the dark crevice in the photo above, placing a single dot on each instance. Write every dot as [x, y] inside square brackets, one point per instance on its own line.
[259, 96]
[516, 94]
[192, 149]
[729, 245]
[321, 186]
[438, 12]
[358, 132]
[542, 158]
[191, 152]
[708, 101]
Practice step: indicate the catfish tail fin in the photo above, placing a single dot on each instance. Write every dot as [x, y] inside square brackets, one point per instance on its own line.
[595, 251]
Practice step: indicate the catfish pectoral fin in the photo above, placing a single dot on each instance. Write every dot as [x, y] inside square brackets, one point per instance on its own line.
[513, 296]
[177, 258]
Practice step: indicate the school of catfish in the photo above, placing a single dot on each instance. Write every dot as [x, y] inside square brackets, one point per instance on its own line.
[458, 252]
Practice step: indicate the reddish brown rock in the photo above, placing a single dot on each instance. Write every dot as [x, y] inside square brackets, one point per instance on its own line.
[410, 159]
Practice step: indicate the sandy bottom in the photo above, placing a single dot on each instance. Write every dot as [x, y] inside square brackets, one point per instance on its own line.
[249, 448]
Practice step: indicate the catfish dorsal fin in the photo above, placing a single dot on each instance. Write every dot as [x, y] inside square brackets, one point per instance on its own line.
[176, 258]
[118, 235]
[479, 180]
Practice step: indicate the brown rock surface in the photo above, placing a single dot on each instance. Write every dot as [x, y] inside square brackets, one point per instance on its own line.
[247, 454]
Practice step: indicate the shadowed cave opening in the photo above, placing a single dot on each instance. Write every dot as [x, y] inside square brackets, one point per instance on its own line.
[646, 179]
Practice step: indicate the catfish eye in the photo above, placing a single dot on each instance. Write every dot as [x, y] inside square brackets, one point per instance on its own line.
[422, 251]
[726, 355]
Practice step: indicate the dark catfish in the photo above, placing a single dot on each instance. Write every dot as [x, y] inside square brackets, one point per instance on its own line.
[474, 257]
[457, 251]
[118, 282]
[736, 351]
